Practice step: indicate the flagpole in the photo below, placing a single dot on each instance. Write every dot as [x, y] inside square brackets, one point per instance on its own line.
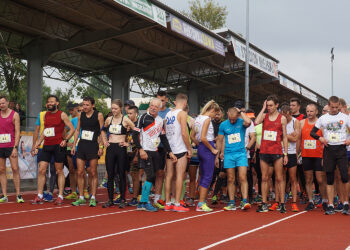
[332, 79]
[246, 90]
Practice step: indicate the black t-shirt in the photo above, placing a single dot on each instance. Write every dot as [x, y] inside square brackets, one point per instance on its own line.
[216, 126]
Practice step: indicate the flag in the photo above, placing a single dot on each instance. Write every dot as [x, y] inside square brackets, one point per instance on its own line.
[332, 54]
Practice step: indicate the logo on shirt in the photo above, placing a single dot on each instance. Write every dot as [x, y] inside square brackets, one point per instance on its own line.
[341, 122]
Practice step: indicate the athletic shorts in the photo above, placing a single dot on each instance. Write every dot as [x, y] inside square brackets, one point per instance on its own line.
[178, 156]
[232, 160]
[153, 159]
[335, 155]
[5, 152]
[348, 156]
[312, 163]
[132, 167]
[221, 166]
[87, 151]
[49, 151]
[292, 161]
[270, 158]
[162, 157]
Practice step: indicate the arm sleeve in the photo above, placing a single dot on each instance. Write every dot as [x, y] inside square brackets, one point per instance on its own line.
[136, 132]
[314, 134]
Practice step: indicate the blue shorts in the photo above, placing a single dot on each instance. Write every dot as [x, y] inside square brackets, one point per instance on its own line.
[348, 156]
[232, 160]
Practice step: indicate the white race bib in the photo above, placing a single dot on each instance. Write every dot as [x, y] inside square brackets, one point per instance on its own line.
[334, 137]
[194, 152]
[310, 144]
[5, 138]
[115, 129]
[270, 135]
[87, 135]
[155, 142]
[234, 138]
[49, 132]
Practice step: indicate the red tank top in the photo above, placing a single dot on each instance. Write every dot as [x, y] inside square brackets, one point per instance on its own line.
[54, 127]
[7, 131]
[309, 146]
[271, 136]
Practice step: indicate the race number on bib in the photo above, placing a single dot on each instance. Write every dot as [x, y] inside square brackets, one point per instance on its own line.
[334, 137]
[234, 138]
[49, 132]
[5, 138]
[115, 129]
[87, 135]
[270, 135]
[155, 142]
[310, 144]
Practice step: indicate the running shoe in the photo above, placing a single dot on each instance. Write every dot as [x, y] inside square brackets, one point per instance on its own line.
[122, 204]
[324, 206]
[86, 194]
[295, 207]
[108, 204]
[310, 206]
[131, 191]
[19, 199]
[275, 206]
[214, 200]
[204, 208]
[339, 208]
[72, 196]
[169, 208]
[45, 194]
[92, 203]
[104, 183]
[149, 208]
[230, 207]
[4, 199]
[183, 203]
[262, 208]
[190, 202]
[283, 209]
[330, 210]
[258, 199]
[59, 201]
[180, 208]
[38, 200]
[48, 197]
[159, 205]
[133, 202]
[67, 191]
[79, 202]
[346, 209]
[141, 206]
[245, 205]
[117, 201]
[335, 200]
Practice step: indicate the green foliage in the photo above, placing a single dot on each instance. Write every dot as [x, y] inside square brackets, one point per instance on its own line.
[209, 13]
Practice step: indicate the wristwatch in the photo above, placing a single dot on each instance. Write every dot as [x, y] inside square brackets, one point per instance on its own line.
[101, 147]
[285, 154]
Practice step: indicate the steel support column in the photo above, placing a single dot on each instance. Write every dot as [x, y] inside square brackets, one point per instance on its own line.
[193, 99]
[120, 85]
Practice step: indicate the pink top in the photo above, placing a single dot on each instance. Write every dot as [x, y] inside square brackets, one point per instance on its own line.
[7, 131]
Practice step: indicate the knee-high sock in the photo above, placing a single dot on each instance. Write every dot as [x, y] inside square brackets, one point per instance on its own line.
[146, 190]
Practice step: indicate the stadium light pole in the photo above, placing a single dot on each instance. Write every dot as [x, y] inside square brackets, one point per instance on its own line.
[246, 89]
[332, 59]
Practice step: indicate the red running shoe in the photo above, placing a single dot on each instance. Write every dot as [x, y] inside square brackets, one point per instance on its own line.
[38, 200]
[169, 208]
[180, 209]
[59, 201]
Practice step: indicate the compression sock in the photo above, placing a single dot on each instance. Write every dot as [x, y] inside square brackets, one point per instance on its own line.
[146, 190]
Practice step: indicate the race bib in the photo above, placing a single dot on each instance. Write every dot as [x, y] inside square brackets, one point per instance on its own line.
[49, 132]
[334, 137]
[194, 152]
[270, 135]
[234, 138]
[155, 142]
[310, 144]
[5, 138]
[87, 135]
[129, 149]
[115, 129]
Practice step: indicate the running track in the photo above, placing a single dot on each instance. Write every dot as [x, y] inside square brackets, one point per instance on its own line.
[49, 227]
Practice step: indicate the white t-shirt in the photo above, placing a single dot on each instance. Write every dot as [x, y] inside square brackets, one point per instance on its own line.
[292, 146]
[334, 127]
[198, 125]
[348, 147]
[250, 129]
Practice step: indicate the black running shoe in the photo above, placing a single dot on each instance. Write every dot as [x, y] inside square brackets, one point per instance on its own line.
[330, 210]
[262, 208]
[324, 206]
[346, 209]
[310, 206]
[122, 204]
[108, 204]
[283, 208]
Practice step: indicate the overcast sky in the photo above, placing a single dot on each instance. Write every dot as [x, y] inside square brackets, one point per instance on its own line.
[300, 34]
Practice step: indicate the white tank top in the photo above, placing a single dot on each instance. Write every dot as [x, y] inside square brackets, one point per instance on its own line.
[292, 146]
[198, 125]
[173, 132]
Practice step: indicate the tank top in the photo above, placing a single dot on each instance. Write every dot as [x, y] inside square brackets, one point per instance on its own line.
[309, 146]
[173, 132]
[117, 129]
[7, 131]
[271, 136]
[292, 146]
[90, 127]
[198, 125]
[53, 128]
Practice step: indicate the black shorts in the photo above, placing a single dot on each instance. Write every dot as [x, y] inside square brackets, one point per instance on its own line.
[5, 152]
[153, 159]
[178, 156]
[312, 164]
[129, 163]
[335, 155]
[221, 166]
[162, 157]
[87, 151]
[270, 158]
[292, 161]
[55, 151]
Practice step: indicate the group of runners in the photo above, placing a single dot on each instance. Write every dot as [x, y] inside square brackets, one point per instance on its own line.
[265, 159]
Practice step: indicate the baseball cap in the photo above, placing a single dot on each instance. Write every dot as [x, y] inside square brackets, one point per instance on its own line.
[239, 104]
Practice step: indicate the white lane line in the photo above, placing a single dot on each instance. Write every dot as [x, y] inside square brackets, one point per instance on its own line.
[133, 230]
[8, 202]
[33, 210]
[348, 248]
[250, 231]
[62, 221]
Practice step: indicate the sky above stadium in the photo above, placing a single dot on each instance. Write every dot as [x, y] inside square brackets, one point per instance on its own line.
[300, 34]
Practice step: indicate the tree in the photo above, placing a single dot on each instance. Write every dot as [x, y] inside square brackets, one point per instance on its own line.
[209, 14]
